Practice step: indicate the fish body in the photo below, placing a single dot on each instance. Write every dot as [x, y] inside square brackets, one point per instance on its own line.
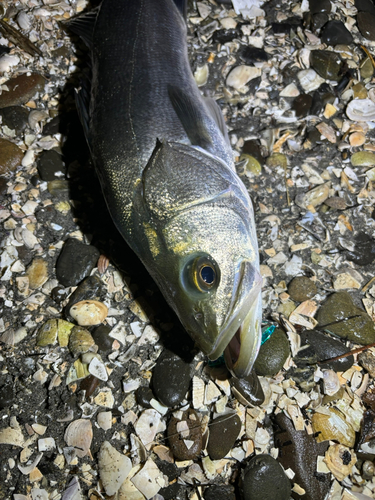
[166, 168]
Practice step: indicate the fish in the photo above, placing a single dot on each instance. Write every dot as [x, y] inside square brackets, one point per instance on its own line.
[163, 156]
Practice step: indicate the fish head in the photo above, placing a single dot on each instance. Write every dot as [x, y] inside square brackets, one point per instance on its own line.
[205, 255]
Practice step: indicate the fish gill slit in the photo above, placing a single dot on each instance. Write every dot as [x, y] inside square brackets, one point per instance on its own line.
[132, 74]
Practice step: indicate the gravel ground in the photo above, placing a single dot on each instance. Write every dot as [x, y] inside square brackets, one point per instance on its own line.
[129, 409]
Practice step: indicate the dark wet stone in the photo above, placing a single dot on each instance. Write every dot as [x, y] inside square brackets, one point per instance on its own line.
[251, 55]
[75, 262]
[364, 251]
[345, 319]
[4, 50]
[224, 431]
[177, 440]
[264, 478]
[325, 347]
[219, 492]
[302, 105]
[144, 395]
[317, 6]
[224, 36]
[21, 89]
[53, 126]
[302, 288]
[49, 164]
[3, 185]
[299, 451]
[318, 21]
[327, 64]
[366, 25]
[171, 378]
[6, 396]
[365, 6]
[272, 354]
[313, 135]
[281, 28]
[89, 289]
[249, 388]
[336, 202]
[367, 360]
[335, 33]
[252, 147]
[102, 339]
[15, 117]
[168, 469]
[89, 384]
[10, 156]
[322, 96]
[369, 398]
[174, 491]
[59, 294]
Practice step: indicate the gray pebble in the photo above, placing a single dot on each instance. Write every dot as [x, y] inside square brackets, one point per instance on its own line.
[49, 164]
[219, 492]
[15, 118]
[302, 288]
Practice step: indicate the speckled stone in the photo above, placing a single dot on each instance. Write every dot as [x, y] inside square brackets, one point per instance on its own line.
[335, 33]
[364, 250]
[171, 378]
[367, 360]
[224, 431]
[322, 346]
[327, 64]
[177, 440]
[15, 118]
[49, 164]
[317, 6]
[21, 89]
[272, 354]
[224, 36]
[319, 20]
[6, 395]
[302, 288]
[264, 478]
[219, 492]
[363, 159]
[366, 25]
[335, 312]
[299, 453]
[10, 156]
[249, 389]
[174, 491]
[75, 262]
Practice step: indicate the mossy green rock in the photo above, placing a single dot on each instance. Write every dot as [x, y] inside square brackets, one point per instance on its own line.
[363, 159]
[349, 321]
[47, 333]
[277, 160]
[302, 288]
[272, 354]
[252, 165]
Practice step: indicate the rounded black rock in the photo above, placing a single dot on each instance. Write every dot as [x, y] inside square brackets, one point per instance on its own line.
[249, 388]
[219, 492]
[15, 118]
[326, 347]
[49, 164]
[144, 395]
[224, 431]
[75, 262]
[335, 33]
[264, 478]
[171, 378]
[102, 339]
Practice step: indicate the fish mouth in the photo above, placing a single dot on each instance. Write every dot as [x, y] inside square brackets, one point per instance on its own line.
[241, 336]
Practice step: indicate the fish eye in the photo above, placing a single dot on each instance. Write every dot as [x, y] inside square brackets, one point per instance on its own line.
[201, 274]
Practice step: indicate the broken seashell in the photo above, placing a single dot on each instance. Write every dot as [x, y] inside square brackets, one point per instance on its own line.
[149, 479]
[309, 80]
[89, 312]
[340, 460]
[331, 382]
[79, 434]
[147, 426]
[201, 75]
[241, 75]
[361, 110]
[198, 392]
[80, 341]
[114, 468]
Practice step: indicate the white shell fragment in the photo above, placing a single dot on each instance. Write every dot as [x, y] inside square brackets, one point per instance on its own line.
[361, 110]
[149, 479]
[46, 444]
[23, 21]
[201, 75]
[98, 369]
[79, 435]
[12, 436]
[240, 75]
[309, 79]
[198, 392]
[7, 61]
[331, 382]
[114, 468]
[147, 427]
[104, 419]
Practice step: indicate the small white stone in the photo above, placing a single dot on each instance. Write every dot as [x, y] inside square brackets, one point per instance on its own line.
[98, 369]
[309, 79]
[104, 419]
[29, 158]
[89, 312]
[228, 23]
[7, 61]
[290, 90]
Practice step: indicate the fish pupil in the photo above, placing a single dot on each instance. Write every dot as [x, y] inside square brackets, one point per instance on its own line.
[207, 274]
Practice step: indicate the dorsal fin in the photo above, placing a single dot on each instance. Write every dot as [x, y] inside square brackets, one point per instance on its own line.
[83, 25]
